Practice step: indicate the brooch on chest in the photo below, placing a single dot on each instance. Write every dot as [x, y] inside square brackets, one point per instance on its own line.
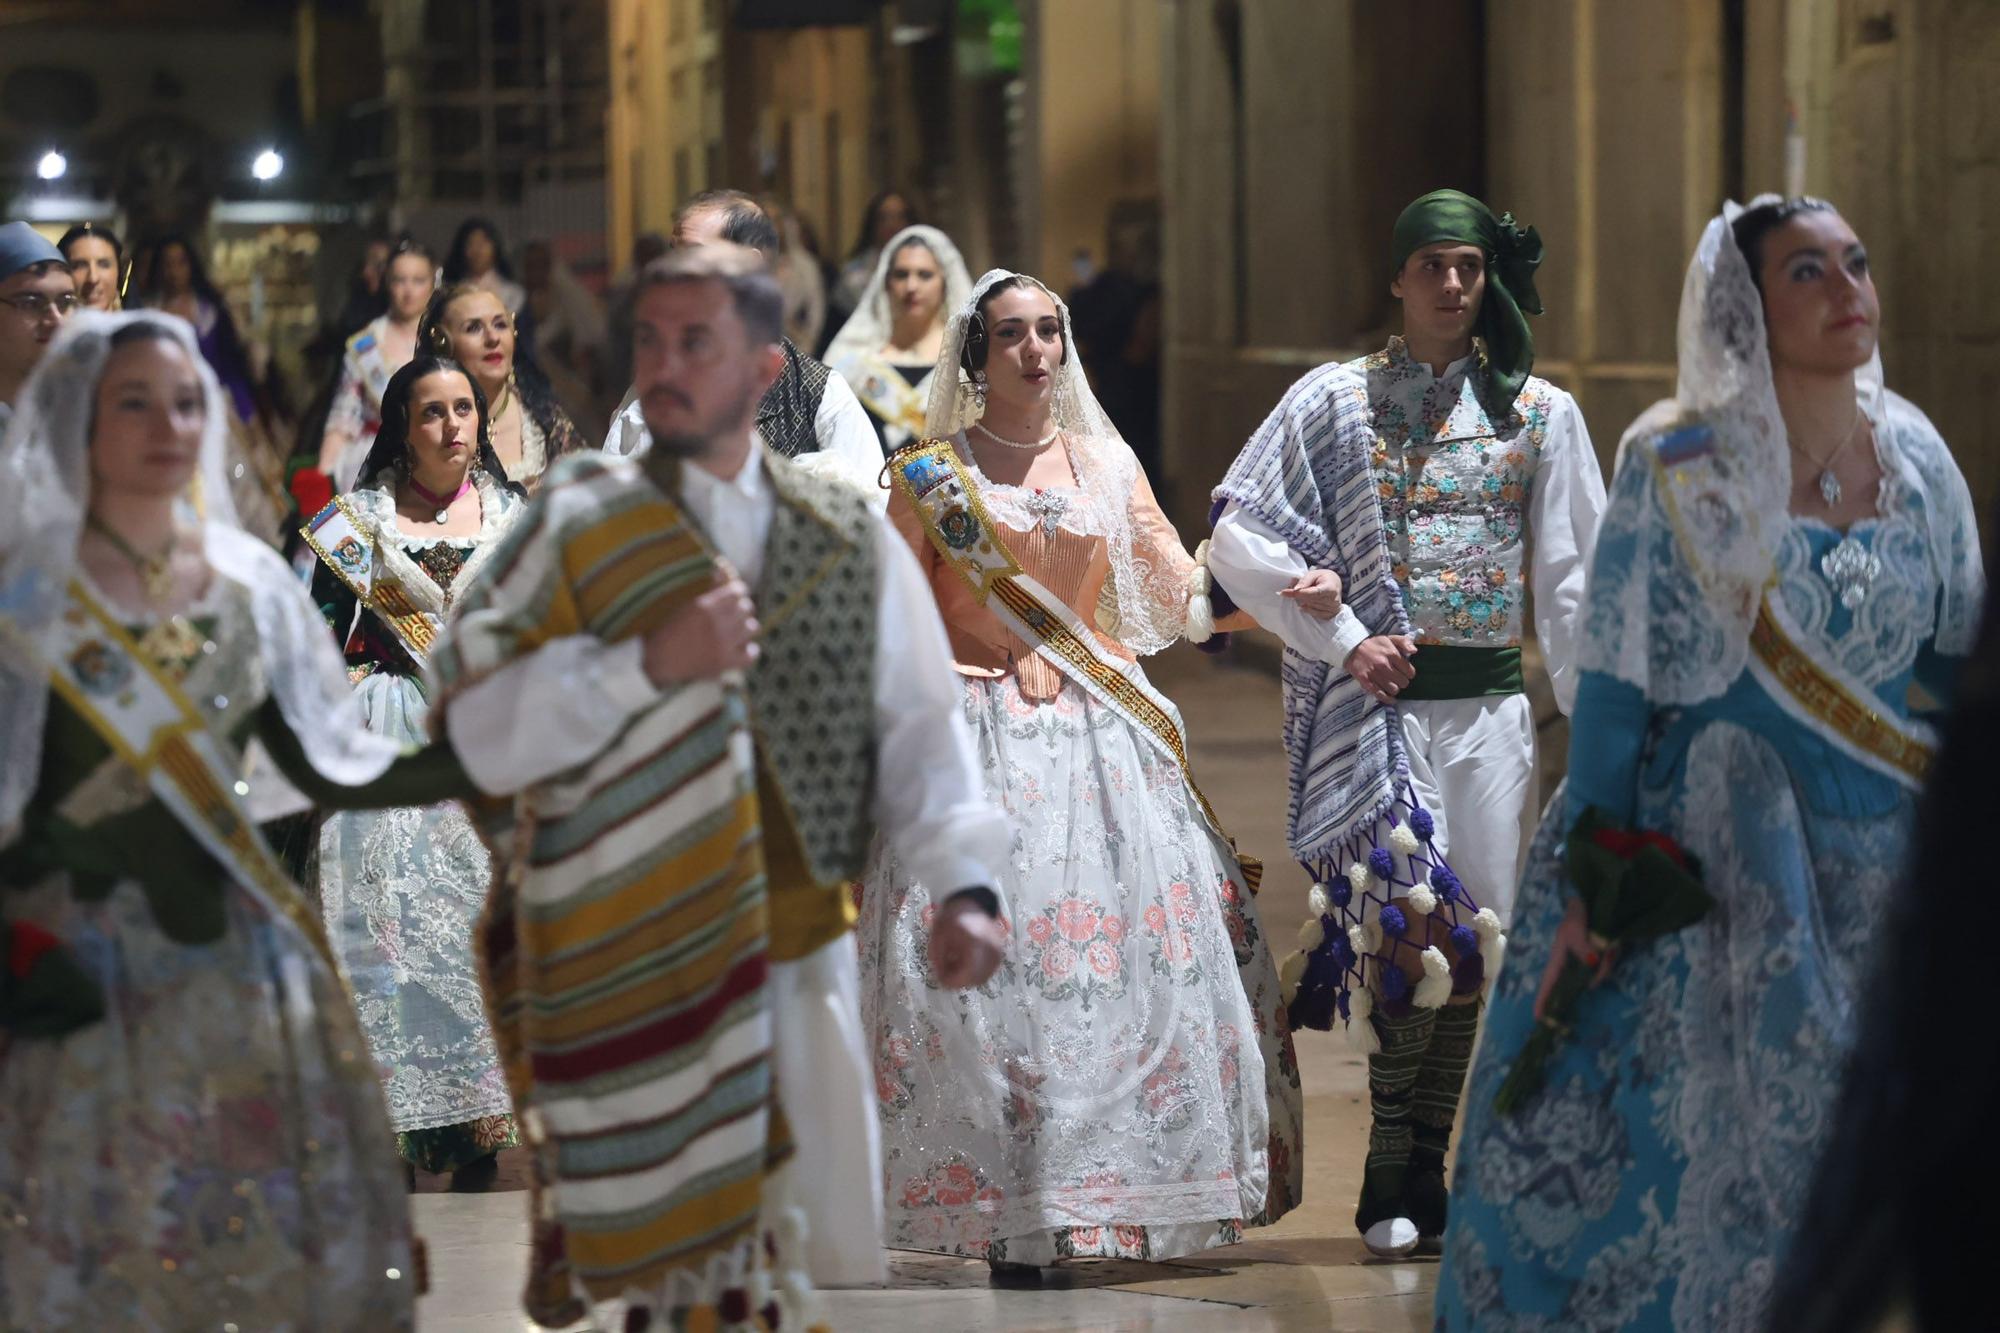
[1852, 570]
[1048, 508]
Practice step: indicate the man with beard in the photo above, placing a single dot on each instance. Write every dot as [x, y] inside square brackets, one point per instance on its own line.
[809, 414]
[606, 657]
[36, 295]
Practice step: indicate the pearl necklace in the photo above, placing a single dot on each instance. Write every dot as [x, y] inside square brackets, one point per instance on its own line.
[1025, 447]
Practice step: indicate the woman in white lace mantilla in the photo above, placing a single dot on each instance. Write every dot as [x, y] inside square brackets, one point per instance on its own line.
[401, 889]
[1788, 549]
[888, 350]
[1125, 1085]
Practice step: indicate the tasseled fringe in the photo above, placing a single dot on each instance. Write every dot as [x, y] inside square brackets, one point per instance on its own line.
[1422, 901]
[1200, 609]
[1492, 941]
[1435, 988]
[1360, 1031]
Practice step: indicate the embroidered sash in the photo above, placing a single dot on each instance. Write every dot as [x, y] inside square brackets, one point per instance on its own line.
[1834, 705]
[346, 545]
[143, 715]
[934, 480]
[887, 393]
[371, 358]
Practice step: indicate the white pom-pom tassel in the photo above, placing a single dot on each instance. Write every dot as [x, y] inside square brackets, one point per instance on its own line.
[1366, 937]
[1290, 973]
[1360, 1032]
[1357, 878]
[1200, 580]
[1403, 839]
[1492, 941]
[1317, 900]
[1200, 618]
[1435, 988]
[1312, 934]
[1422, 901]
[1201, 550]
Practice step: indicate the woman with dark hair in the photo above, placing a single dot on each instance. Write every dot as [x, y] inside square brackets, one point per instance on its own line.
[97, 262]
[1126, 1086]
[887, 351]
[1788, 548]
[886, 214]
[478, 257]
[374, 354]
[399, 890]
[180, 286]
[530, 429]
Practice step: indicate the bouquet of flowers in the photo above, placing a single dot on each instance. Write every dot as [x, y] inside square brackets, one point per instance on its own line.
[1635, 886]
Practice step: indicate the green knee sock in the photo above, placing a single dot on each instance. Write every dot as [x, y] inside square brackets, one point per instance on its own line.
[1392, 1079]
[1440, 1081]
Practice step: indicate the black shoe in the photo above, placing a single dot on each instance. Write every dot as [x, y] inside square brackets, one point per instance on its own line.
[476, 1177]
[1007, 1274]
[1428, 1204]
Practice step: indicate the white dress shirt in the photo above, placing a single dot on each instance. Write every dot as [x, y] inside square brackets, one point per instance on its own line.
[558, 707]
[1565, 503]
[848, 448]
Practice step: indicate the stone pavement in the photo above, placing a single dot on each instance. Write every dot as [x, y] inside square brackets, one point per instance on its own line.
[1309, 1272]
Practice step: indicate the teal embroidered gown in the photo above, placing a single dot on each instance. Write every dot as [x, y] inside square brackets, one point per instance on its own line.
[1657, 1180]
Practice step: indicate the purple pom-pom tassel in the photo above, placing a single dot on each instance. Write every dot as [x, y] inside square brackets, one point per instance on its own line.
[1381, 863]
[1464, 940]
[1422, 824]
[1341, 892]
[1394, 923]
[1446, 884]
[1395, 986]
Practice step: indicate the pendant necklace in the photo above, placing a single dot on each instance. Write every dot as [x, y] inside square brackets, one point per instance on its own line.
[169, 642]
[442, 503]
[1829, 485]
[1025, 446]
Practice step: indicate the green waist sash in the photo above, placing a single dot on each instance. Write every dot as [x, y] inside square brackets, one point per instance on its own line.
[1446, 671]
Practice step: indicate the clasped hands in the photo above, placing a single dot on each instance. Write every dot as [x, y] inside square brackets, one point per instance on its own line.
[715, 634]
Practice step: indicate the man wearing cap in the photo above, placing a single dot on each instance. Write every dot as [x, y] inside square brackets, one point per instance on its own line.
[1445, 484]
[36, 295]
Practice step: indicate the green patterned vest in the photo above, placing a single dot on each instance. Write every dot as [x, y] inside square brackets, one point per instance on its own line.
[812, 691]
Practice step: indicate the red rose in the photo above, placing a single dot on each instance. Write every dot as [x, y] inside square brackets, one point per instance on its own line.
[26, 944]
[1626, 845]
[312, 490]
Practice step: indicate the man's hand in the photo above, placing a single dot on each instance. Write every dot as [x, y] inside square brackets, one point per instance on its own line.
[716, 633]
[1317, 591]
[966, 945]
[1382, 665]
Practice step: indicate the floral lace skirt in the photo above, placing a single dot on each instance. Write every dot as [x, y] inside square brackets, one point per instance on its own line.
[1125, 1085]
[400, 891]
[212, 1153]
[1658, 1180]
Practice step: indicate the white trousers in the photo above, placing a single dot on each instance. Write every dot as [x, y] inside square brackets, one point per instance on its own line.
[1472, 762]
[824, 1085]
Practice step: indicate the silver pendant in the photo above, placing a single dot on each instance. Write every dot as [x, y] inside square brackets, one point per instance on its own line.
[1829, 488]
[443, 517]
[1852, 570]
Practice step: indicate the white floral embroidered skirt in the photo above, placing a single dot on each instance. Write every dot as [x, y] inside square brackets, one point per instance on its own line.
[400, 891]
[1125, 1084]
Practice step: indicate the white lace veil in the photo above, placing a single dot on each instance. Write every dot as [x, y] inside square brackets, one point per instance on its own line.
[869, 327]
[1730, 513]
[1144, 603]
[44, 493]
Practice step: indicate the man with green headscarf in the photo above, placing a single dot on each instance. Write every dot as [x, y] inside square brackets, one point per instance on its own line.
[1443, 483]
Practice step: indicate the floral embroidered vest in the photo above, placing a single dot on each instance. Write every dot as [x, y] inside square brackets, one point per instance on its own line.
[1454, 489]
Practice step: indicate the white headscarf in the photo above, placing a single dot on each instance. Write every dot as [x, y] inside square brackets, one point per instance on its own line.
[867, 330]
[1730, 511]
[44, 495]
[1144, 602]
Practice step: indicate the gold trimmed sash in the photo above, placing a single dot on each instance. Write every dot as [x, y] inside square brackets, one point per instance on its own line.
[143, 715]
[1843, 711]
[346, 546]
[933, 479]
[884, 391]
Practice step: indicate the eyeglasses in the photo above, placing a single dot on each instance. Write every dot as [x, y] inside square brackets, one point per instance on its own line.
[36, 306]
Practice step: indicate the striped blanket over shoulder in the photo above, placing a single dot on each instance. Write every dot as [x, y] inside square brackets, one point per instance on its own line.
[624, 944]
[1306, 473]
